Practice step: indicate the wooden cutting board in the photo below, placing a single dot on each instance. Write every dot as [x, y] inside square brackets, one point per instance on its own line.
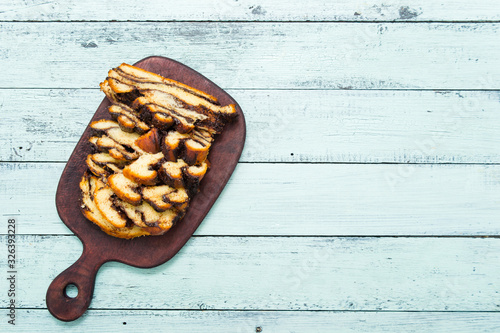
[143, 252]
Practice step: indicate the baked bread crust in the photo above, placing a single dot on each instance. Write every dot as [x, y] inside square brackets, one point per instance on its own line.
[150, 142]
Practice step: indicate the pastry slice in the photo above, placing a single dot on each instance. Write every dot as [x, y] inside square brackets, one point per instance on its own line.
[119, 218]
[192, 148]
[102, 164]
[181, 175]
[119, 144]
[125, 189]
[141, 75]
[168, 112]
[122, 83]
[150, 94]
[161, 197]
[142, 170]
[128, 119]
[164, 197]
[148, 218]
[88, 185]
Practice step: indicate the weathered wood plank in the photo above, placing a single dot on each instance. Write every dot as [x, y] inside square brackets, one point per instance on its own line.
[247, 10]
[268, 273]
[259, 55]
[249, 321]
[305, 199]
[342, 126]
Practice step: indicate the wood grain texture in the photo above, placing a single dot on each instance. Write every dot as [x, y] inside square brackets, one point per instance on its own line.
[259, 55]
[284, 273]
[268, 321]
[248, 10]
[359, 92]
[342, 126]
[305, 199]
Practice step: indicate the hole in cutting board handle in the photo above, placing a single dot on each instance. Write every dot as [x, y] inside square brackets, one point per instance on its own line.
[71, 290]
[70, 293]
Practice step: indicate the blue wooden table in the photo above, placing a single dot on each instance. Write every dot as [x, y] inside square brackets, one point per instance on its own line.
[367, 198]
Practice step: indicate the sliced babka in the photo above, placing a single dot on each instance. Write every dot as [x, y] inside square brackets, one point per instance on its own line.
[148, 163]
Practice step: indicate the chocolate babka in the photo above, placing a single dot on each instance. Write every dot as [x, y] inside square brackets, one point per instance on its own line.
[147, 164]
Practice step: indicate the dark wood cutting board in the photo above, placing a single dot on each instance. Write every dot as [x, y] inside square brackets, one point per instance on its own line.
[144, 252]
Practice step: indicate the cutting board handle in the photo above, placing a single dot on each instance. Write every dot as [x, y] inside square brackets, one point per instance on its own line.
[82, 274]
